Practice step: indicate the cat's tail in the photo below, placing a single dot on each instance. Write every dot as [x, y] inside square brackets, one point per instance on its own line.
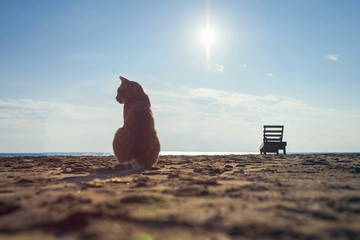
[133, 164]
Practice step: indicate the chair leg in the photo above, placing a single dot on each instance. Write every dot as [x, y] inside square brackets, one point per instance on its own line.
[284, 150]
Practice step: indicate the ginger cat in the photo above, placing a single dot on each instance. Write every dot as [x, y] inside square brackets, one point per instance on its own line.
[136, 145]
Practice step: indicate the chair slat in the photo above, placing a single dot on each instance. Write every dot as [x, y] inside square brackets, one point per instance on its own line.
[273, 126]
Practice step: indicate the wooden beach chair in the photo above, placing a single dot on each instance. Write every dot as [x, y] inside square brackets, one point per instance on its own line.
[273, 139]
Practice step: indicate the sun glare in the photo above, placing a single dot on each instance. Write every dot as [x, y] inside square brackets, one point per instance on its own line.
[208, 38]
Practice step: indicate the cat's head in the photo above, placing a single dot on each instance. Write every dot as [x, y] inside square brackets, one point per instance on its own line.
[129, 90]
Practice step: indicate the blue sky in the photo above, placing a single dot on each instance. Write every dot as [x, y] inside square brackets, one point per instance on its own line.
[294, 63]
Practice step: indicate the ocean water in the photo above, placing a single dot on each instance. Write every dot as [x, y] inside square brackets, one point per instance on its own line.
[102, 154]
[163, 153]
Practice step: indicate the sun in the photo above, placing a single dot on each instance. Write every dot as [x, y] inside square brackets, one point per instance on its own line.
[207, 36]
[208, 39]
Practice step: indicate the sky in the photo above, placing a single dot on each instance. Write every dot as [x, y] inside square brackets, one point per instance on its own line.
[215, 71]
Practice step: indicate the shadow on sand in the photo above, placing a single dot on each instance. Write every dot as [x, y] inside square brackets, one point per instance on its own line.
[103, 174]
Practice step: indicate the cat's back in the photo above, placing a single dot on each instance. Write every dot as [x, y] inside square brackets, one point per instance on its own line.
[138, 114]
[139, 121]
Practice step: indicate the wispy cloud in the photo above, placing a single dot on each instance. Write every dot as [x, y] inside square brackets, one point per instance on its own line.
[219, 67]
[32, 125]
[242, 65]
[269, 75]
[27, 108]
[23, 111]
[231, 99]
[333, 57]
[261, 105]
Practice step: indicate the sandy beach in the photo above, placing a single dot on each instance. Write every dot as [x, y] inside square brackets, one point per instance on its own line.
[182, 197]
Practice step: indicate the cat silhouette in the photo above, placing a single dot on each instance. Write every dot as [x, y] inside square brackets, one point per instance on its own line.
[136, 145]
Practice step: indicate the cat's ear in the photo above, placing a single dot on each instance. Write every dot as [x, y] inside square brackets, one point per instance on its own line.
[123, 80]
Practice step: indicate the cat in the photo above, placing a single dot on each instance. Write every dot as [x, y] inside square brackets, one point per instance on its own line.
[136, 145]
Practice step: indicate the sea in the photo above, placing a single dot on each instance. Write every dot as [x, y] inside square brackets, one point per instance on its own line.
[104, 154]
[163, 153]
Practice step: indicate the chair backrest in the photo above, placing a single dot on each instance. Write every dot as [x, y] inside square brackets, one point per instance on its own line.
[273, 133]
